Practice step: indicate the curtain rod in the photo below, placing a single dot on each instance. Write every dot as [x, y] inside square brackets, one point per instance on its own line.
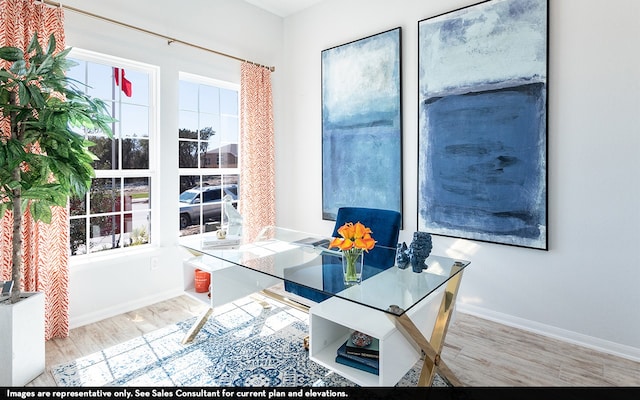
[169, 39]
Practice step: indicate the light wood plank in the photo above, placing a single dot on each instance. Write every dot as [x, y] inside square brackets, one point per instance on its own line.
[478, 351]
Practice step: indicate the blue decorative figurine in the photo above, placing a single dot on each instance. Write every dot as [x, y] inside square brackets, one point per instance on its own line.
[419, 250]
[402, 256]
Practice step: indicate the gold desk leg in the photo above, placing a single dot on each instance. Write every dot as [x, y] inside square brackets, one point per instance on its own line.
[290, 303]
[433, 348]
[204, 316]
[285, 300]
[195, 328]
[265, 305]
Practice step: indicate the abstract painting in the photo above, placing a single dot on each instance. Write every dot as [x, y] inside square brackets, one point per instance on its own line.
[362, 125]
[482, 157]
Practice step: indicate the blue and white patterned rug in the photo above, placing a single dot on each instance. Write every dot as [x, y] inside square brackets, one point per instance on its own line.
[243, 344]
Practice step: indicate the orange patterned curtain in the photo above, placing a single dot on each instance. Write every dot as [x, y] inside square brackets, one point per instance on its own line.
[45, 247]
[257, 152]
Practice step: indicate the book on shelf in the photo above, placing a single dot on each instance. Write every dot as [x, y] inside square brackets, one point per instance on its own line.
[370, 351]
[368, 364]
[351, 363]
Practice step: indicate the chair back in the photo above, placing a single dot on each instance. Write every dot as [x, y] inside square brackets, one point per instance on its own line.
[385, 229]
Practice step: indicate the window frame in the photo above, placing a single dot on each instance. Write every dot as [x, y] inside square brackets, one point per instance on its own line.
[202, 171]
[121, 173]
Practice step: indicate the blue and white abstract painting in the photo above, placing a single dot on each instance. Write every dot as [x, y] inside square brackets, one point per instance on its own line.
[361, 125]
[483, 123]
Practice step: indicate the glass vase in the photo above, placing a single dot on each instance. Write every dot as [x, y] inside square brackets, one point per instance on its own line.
[352, 261]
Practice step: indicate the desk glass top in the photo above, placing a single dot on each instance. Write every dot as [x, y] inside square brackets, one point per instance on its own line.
[300, 258]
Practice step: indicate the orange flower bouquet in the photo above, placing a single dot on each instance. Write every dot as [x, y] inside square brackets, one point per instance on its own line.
[355, 239]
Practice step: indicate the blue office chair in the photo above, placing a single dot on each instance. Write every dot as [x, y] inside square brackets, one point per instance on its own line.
[385, 228]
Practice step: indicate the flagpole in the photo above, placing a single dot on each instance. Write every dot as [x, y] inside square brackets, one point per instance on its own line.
[169, 39]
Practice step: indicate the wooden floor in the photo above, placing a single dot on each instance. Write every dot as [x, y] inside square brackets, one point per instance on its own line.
[480, 352]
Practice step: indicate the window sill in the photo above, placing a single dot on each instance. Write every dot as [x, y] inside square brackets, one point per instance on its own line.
[87, 260]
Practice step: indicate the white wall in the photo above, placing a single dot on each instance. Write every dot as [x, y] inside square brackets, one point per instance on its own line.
[586, 287]
[103, 286]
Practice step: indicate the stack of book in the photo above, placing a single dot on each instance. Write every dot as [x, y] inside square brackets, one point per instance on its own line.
[365, 358]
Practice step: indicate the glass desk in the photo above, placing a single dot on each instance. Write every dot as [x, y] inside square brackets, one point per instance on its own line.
[387, 301]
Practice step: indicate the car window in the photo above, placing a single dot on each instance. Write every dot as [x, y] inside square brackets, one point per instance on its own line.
[187, 196]
[211, 195]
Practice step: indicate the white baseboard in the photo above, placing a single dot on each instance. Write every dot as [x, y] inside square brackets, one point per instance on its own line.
[605, 346]
[121, 308]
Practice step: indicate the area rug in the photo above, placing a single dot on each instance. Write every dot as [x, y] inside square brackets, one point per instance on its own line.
[243, 344]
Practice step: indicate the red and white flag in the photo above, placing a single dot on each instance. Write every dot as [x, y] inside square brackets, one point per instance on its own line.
[118, 75]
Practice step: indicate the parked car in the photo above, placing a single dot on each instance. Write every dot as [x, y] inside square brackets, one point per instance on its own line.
[210, 197]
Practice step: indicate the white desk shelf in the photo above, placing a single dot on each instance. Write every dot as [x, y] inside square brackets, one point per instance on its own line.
[332, 321]
[229, 282]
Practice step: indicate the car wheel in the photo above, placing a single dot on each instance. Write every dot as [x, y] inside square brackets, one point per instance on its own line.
[184, 221]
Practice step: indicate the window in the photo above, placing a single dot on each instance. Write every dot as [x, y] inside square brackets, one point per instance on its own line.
[116, 212]
[208, 152]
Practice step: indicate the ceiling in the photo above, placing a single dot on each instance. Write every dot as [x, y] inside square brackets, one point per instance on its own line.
[283, 8]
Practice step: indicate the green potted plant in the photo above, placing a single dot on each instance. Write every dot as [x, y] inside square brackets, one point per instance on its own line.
[43, 158]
